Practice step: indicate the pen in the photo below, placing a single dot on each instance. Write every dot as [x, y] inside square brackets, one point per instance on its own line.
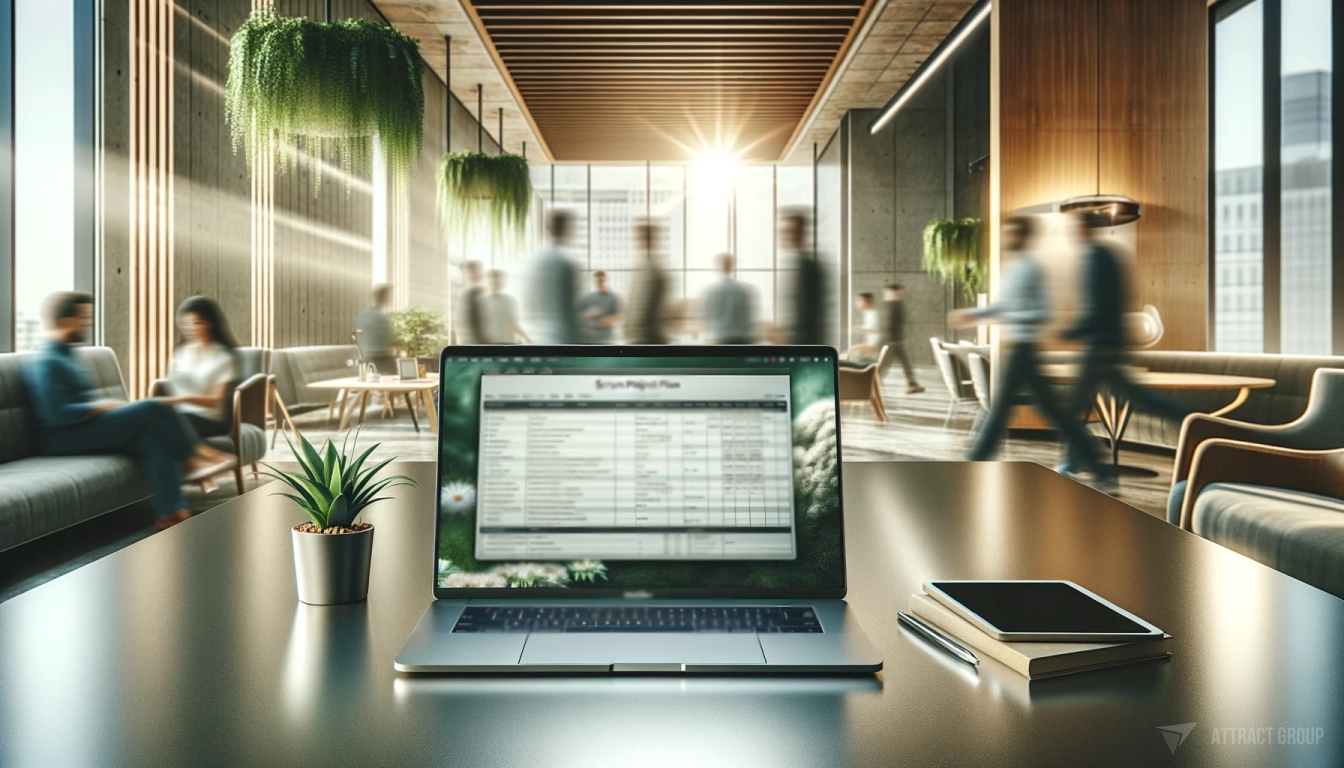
[937, 638]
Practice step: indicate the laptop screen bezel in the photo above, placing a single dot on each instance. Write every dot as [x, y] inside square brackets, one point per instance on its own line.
[599, 351]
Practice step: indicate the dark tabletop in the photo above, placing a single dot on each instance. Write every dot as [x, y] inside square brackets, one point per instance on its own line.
[190, 648]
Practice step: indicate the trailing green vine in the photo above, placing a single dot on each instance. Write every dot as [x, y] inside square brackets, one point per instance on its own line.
[952, 254]
[494, 188]
[297, 82]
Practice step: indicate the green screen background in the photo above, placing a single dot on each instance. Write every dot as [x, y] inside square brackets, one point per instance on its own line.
[816, 492]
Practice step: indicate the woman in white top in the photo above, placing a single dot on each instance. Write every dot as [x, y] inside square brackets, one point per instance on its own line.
[204, 369]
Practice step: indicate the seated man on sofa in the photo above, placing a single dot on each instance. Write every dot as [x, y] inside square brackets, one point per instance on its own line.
[74, 422]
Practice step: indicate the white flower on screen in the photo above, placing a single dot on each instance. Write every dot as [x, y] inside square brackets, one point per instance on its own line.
[458, 498]
[468, 580]
[446, 568]
[533, 574]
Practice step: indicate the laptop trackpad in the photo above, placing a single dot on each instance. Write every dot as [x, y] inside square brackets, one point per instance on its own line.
[651, 648]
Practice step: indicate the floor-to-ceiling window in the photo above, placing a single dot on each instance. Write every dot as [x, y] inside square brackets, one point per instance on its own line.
[1238, 188]
[1272, 200]
[1305, 172]
[52, 176]
[700, 210]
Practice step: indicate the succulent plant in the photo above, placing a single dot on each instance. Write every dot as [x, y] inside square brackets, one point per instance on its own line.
[333, 488]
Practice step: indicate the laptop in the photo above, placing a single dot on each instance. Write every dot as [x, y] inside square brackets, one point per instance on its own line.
[639, 510]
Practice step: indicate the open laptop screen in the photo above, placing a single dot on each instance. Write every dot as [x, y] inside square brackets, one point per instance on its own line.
[692, 471]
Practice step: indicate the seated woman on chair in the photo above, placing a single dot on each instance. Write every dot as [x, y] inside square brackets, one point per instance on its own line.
[204, 368]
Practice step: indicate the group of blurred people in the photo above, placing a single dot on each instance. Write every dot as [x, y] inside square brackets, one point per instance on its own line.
[561, 311]
[166, 432]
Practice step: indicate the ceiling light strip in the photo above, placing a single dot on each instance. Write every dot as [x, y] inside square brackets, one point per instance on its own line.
[969, 23]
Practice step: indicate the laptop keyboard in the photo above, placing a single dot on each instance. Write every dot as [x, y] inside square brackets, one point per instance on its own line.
[637, 618]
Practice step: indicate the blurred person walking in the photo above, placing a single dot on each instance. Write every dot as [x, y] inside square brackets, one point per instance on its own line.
[499, 313]
[868, 331]
[644, 318]
[728, 307]
[74, 421]
[1022, 309]
[599, 312]
[376, 337]
[553, 293]
[1100, 327]
[204, 368]
[809, 287]
[893, 333]
[469, 317]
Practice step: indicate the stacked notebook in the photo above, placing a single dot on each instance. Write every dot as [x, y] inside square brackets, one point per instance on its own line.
[1033, 659]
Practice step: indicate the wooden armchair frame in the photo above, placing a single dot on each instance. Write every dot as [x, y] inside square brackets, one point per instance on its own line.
[1219, 460]
[249, 407]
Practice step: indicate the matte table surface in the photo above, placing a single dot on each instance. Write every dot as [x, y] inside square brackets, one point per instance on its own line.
[190, 648]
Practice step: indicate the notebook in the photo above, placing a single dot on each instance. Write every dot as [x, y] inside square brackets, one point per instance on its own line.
[1036, 660]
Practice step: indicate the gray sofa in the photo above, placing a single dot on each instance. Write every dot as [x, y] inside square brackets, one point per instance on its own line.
[296, 367]
[43, 494]
[1284, 402]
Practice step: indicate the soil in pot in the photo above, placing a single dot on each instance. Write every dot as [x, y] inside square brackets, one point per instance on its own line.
[310, 528]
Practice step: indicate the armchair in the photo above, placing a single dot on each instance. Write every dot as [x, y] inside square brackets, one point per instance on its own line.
[865, 384]
[1321, 426]
[1278, 506]
[246, 414]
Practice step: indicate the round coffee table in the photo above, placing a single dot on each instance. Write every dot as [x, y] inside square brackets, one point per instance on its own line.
[1114, 411]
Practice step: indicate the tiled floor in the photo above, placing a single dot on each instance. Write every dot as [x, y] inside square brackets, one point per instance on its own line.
[914, 432]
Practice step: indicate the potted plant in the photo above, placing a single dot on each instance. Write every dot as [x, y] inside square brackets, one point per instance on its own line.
[333, 551]
[497, 188]
[419, 332]
[952, 254]
[296, 82]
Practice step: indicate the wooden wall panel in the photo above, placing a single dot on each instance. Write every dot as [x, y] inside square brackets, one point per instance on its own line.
[1154, 148]
[1110, 96]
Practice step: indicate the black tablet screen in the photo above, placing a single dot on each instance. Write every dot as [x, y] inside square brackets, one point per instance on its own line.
[1032, 607]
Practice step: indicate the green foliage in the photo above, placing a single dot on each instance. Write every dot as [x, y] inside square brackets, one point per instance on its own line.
[492, 189]
[419, 332]
[952, 253]
[334, 486]
[587, 570]
[304, 83]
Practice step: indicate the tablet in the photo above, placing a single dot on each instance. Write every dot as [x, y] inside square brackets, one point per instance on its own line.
[1039, 611]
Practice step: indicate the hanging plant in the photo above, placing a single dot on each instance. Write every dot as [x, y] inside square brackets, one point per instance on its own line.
[476, 188]
[295, 82]
[952, 254]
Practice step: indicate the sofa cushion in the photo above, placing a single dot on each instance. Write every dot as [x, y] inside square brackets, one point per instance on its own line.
[254, 443]
[1300, 534]
[43, 494]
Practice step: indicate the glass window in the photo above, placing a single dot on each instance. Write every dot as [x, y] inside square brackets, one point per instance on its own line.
[44, 161]
[1239, 155]
[709, 188]
[619, 198]
[1305, 306]
[667, 208]
[571, 194]
[754, 217]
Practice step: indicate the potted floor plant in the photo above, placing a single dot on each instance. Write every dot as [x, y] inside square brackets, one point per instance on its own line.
[333, 551]
[494, 188]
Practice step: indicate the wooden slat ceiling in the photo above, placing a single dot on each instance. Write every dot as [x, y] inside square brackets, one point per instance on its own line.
[616, 80]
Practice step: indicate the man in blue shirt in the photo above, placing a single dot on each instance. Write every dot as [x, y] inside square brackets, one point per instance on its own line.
[729, 307]
[74, 422]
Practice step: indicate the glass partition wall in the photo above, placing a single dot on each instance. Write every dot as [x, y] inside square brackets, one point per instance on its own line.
[700, 210]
